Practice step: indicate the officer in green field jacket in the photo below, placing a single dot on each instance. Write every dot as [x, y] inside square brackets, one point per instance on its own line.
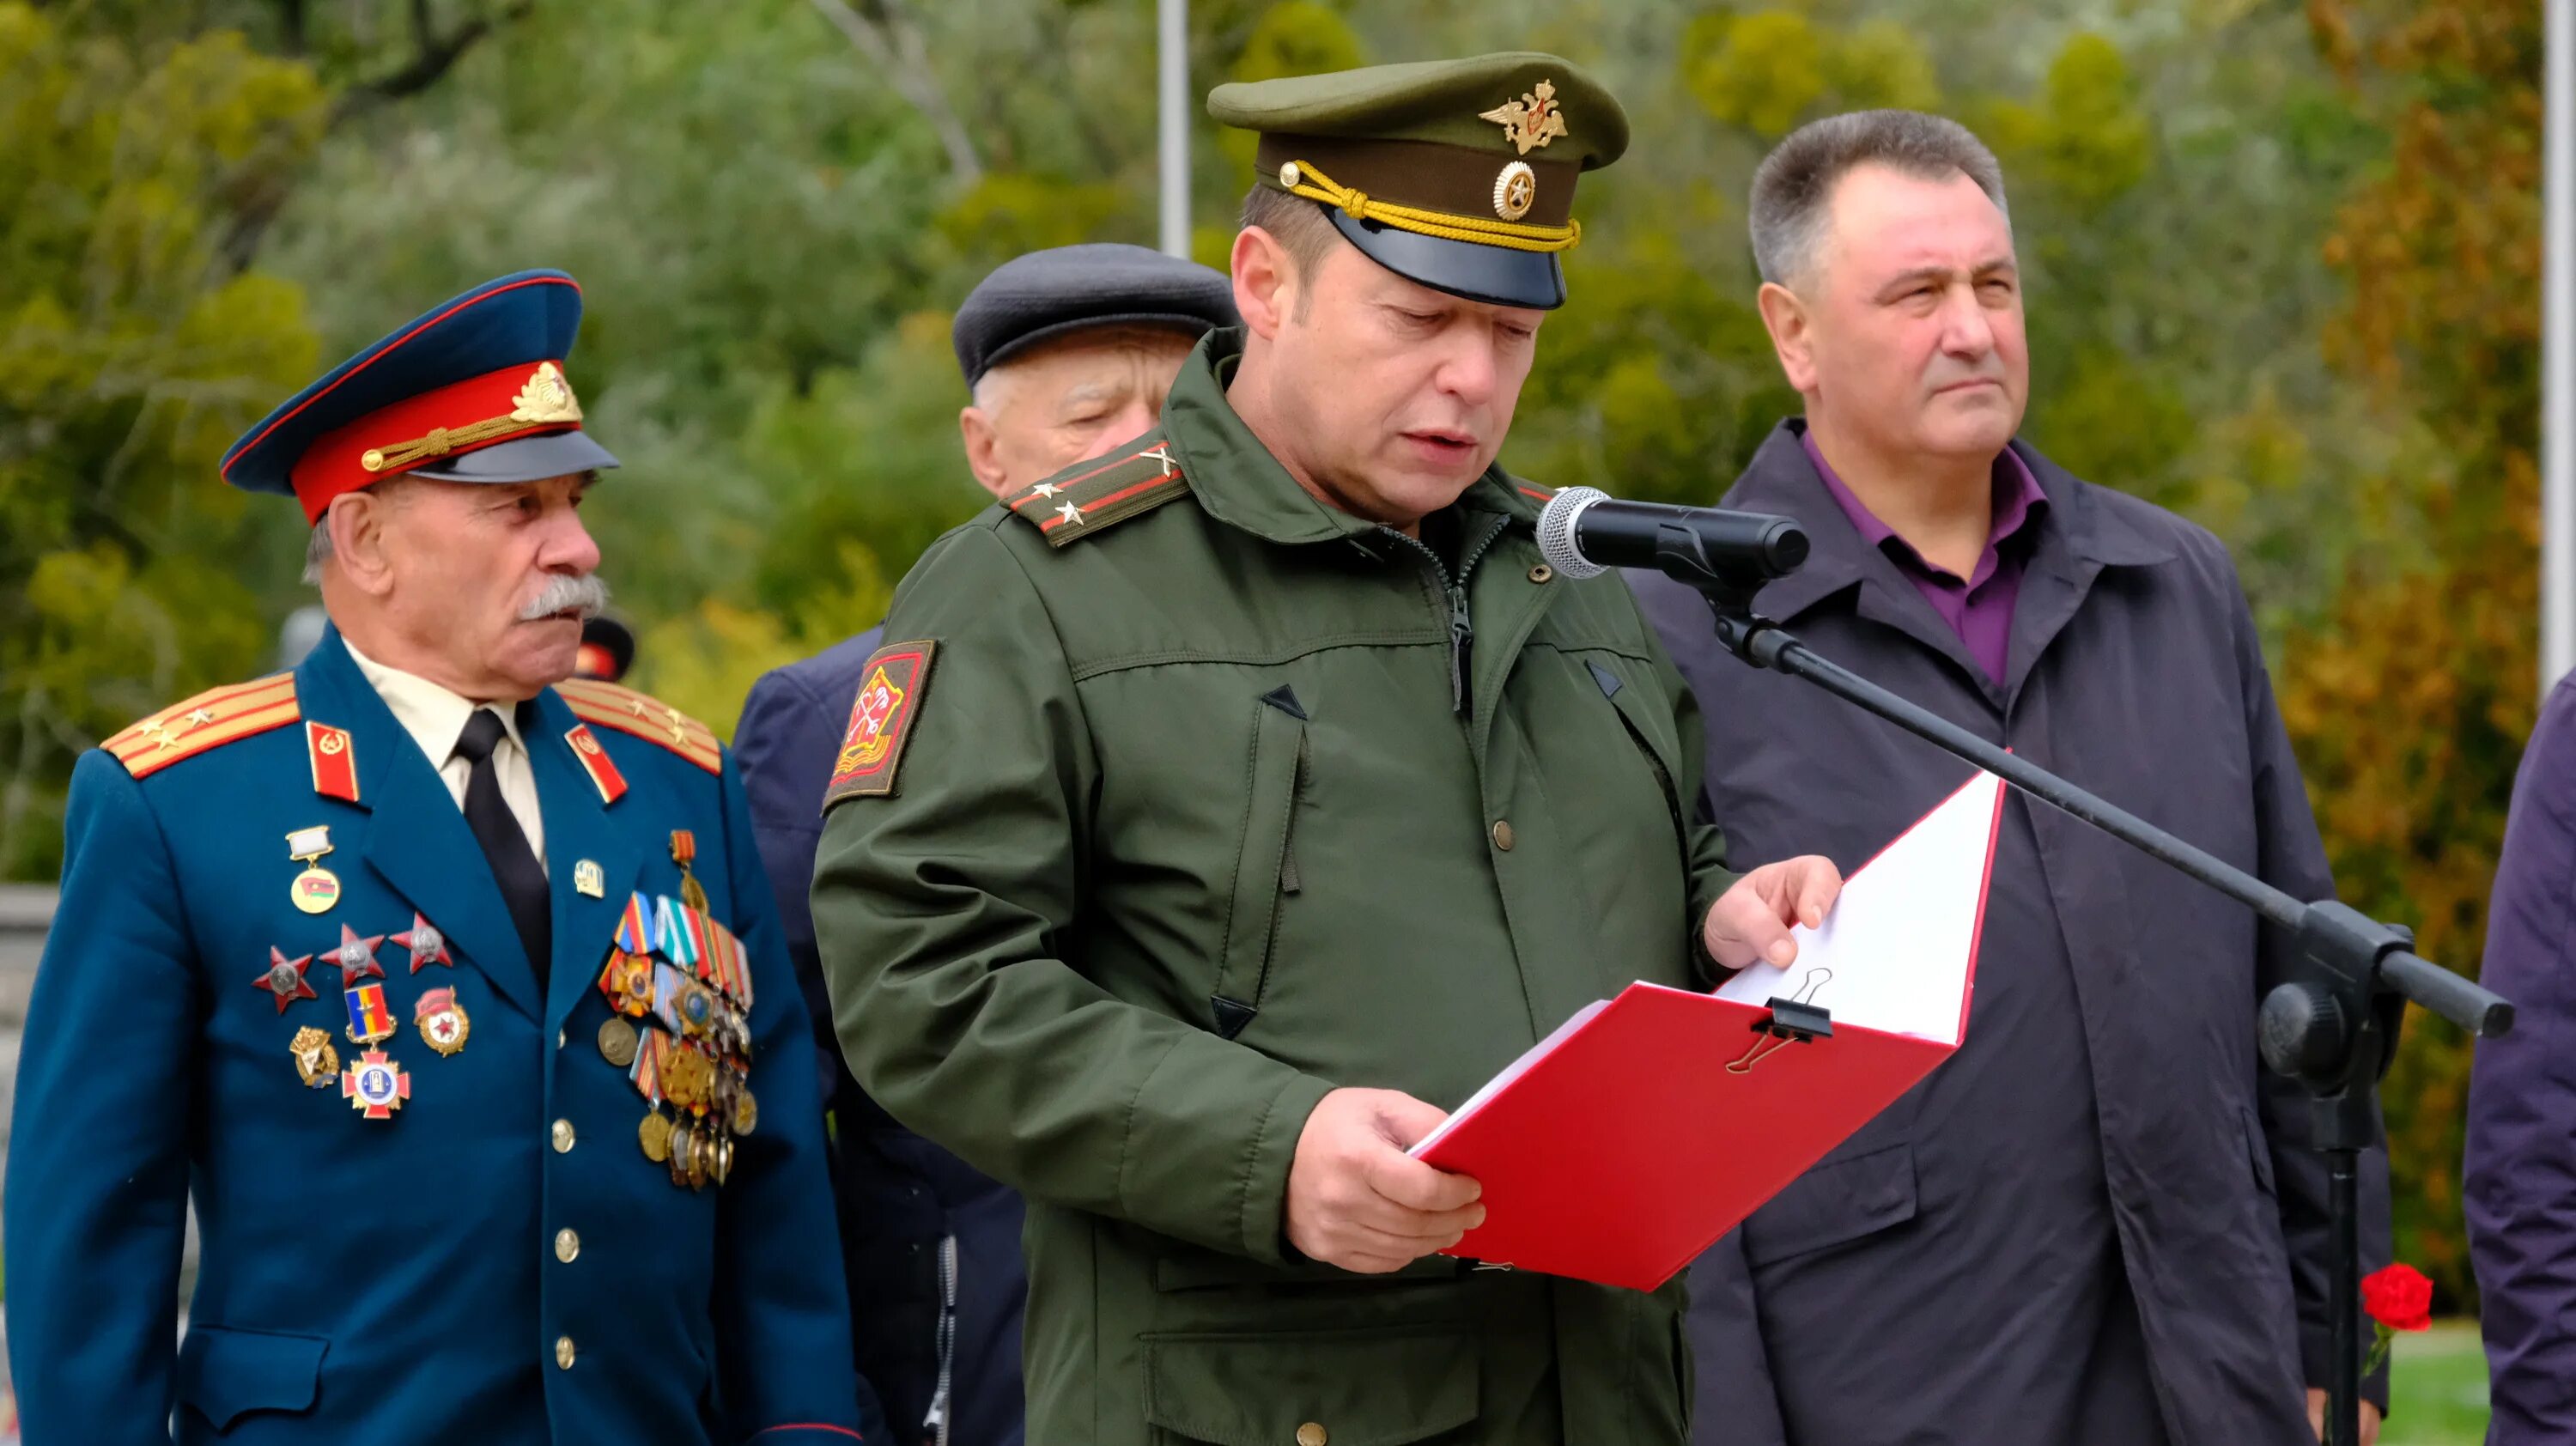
[1234, 804]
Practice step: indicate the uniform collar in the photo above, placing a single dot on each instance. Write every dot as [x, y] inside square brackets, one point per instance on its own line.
[431, 713]
[1237, 481]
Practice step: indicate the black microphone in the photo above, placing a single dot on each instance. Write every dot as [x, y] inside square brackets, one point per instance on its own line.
[1584, 532]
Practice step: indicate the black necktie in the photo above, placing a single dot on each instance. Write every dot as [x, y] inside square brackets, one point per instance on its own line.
[505, 845]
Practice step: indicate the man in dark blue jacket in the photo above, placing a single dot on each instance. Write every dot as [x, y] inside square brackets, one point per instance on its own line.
[1068, 353]
[2099, 1221]
[2521, 1180]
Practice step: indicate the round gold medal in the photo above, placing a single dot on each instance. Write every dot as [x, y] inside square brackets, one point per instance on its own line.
[746, 1113]
[655, 1136]
[315, 890]
[617, 1041]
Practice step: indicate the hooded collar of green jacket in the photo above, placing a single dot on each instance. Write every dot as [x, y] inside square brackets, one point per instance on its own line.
[1237, 480]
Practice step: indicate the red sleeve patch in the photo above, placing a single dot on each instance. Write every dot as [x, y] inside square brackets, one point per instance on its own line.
[890, 692]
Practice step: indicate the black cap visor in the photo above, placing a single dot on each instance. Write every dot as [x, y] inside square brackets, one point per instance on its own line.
[523, 459]
[1498, 275]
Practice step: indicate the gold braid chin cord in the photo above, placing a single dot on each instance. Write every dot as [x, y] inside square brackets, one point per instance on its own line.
[1301, 179]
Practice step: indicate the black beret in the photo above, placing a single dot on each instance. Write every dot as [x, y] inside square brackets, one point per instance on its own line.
[1046, 294]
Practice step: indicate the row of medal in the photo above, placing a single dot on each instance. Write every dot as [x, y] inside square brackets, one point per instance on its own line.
[373, 1083]
[678, 986]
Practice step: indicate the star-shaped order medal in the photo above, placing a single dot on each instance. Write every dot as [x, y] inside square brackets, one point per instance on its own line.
[284, 978]
[357, 957]
[427, 945]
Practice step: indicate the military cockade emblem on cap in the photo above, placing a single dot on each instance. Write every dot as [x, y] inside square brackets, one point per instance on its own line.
[1515, 190]
[1531, 121]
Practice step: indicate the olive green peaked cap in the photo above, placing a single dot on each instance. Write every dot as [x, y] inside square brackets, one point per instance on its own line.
[1458, 174]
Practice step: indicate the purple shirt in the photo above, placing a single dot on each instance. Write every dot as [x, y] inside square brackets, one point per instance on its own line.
[1978, 607]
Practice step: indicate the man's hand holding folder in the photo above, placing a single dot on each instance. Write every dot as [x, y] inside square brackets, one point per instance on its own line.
[1358, 1201]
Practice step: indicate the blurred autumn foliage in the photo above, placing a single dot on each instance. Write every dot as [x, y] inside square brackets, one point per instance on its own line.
[2409, 704]
[2281, 257]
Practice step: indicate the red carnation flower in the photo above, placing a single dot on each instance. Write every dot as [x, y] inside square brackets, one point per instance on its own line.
[2399, 1297]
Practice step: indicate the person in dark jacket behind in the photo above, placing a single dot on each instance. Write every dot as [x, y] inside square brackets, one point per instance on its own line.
[2521, 1180]
[2096, 1222]
[1068, 353]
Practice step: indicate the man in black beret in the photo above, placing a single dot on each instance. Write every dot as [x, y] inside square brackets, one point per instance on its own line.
[1068, 353]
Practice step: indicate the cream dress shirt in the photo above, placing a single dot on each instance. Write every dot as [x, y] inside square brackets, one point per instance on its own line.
[435, 719]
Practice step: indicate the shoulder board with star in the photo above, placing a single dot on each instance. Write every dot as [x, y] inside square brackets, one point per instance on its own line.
[1091, 497]
[209, 720]
[628, 711]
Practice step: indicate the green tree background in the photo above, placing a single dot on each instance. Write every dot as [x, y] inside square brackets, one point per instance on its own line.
[2282, 267]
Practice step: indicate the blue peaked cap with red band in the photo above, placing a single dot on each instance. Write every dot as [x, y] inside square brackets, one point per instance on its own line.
[471, 390]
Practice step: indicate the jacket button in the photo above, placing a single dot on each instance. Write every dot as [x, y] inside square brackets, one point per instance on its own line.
[1503, 834]
[563, 1353]
[1311, 1434]
[1541, 573]
[567, 1245]
[563, 1137]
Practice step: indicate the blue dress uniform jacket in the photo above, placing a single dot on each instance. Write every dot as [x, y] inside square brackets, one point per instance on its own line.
[494, 1263]
[931, 1243]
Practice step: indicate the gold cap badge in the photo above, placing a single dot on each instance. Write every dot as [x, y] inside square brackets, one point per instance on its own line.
[1531, 121]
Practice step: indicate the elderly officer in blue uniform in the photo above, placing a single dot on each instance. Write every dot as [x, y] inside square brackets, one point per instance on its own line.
[1067, 352]
[451, 997]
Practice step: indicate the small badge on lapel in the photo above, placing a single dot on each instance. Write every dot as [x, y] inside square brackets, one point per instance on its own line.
[589, 880]
[442, 1021]
[316, 1062]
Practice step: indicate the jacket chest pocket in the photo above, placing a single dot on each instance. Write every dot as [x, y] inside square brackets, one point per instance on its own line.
[1265, 868]
[1650, 733]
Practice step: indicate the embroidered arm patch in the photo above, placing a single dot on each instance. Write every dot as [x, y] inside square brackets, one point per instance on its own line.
[890, 692]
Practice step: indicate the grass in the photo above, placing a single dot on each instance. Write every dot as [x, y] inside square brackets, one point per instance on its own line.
[2438, 1388]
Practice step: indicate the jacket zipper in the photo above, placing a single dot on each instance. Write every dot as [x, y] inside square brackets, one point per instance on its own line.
[1462, 630]
[935, 1420]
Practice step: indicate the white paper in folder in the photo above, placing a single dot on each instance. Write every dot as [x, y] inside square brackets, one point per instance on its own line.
[1898, 951]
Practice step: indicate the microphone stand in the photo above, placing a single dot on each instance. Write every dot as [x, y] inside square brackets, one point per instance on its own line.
[2333, 1032]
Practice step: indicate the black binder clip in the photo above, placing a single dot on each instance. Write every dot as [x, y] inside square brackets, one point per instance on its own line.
[1798, 1020]
[1791, 1021]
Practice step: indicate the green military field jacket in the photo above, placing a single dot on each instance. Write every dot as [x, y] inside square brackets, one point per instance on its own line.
[1180, 799]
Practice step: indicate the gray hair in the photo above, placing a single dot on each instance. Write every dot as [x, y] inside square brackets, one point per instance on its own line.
[1794, 188]
[317, 551]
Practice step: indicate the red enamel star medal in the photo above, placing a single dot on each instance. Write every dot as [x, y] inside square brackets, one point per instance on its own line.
[357, 957]
[427, 945]
[284, 978]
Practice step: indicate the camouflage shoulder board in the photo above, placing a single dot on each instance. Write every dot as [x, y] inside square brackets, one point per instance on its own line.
[209, 720]
[1089, 497]
[628, 711]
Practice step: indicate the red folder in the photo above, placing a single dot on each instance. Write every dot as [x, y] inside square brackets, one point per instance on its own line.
[1628, 1142]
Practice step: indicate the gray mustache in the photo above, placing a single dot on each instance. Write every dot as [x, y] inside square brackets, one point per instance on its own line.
[588, 595]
